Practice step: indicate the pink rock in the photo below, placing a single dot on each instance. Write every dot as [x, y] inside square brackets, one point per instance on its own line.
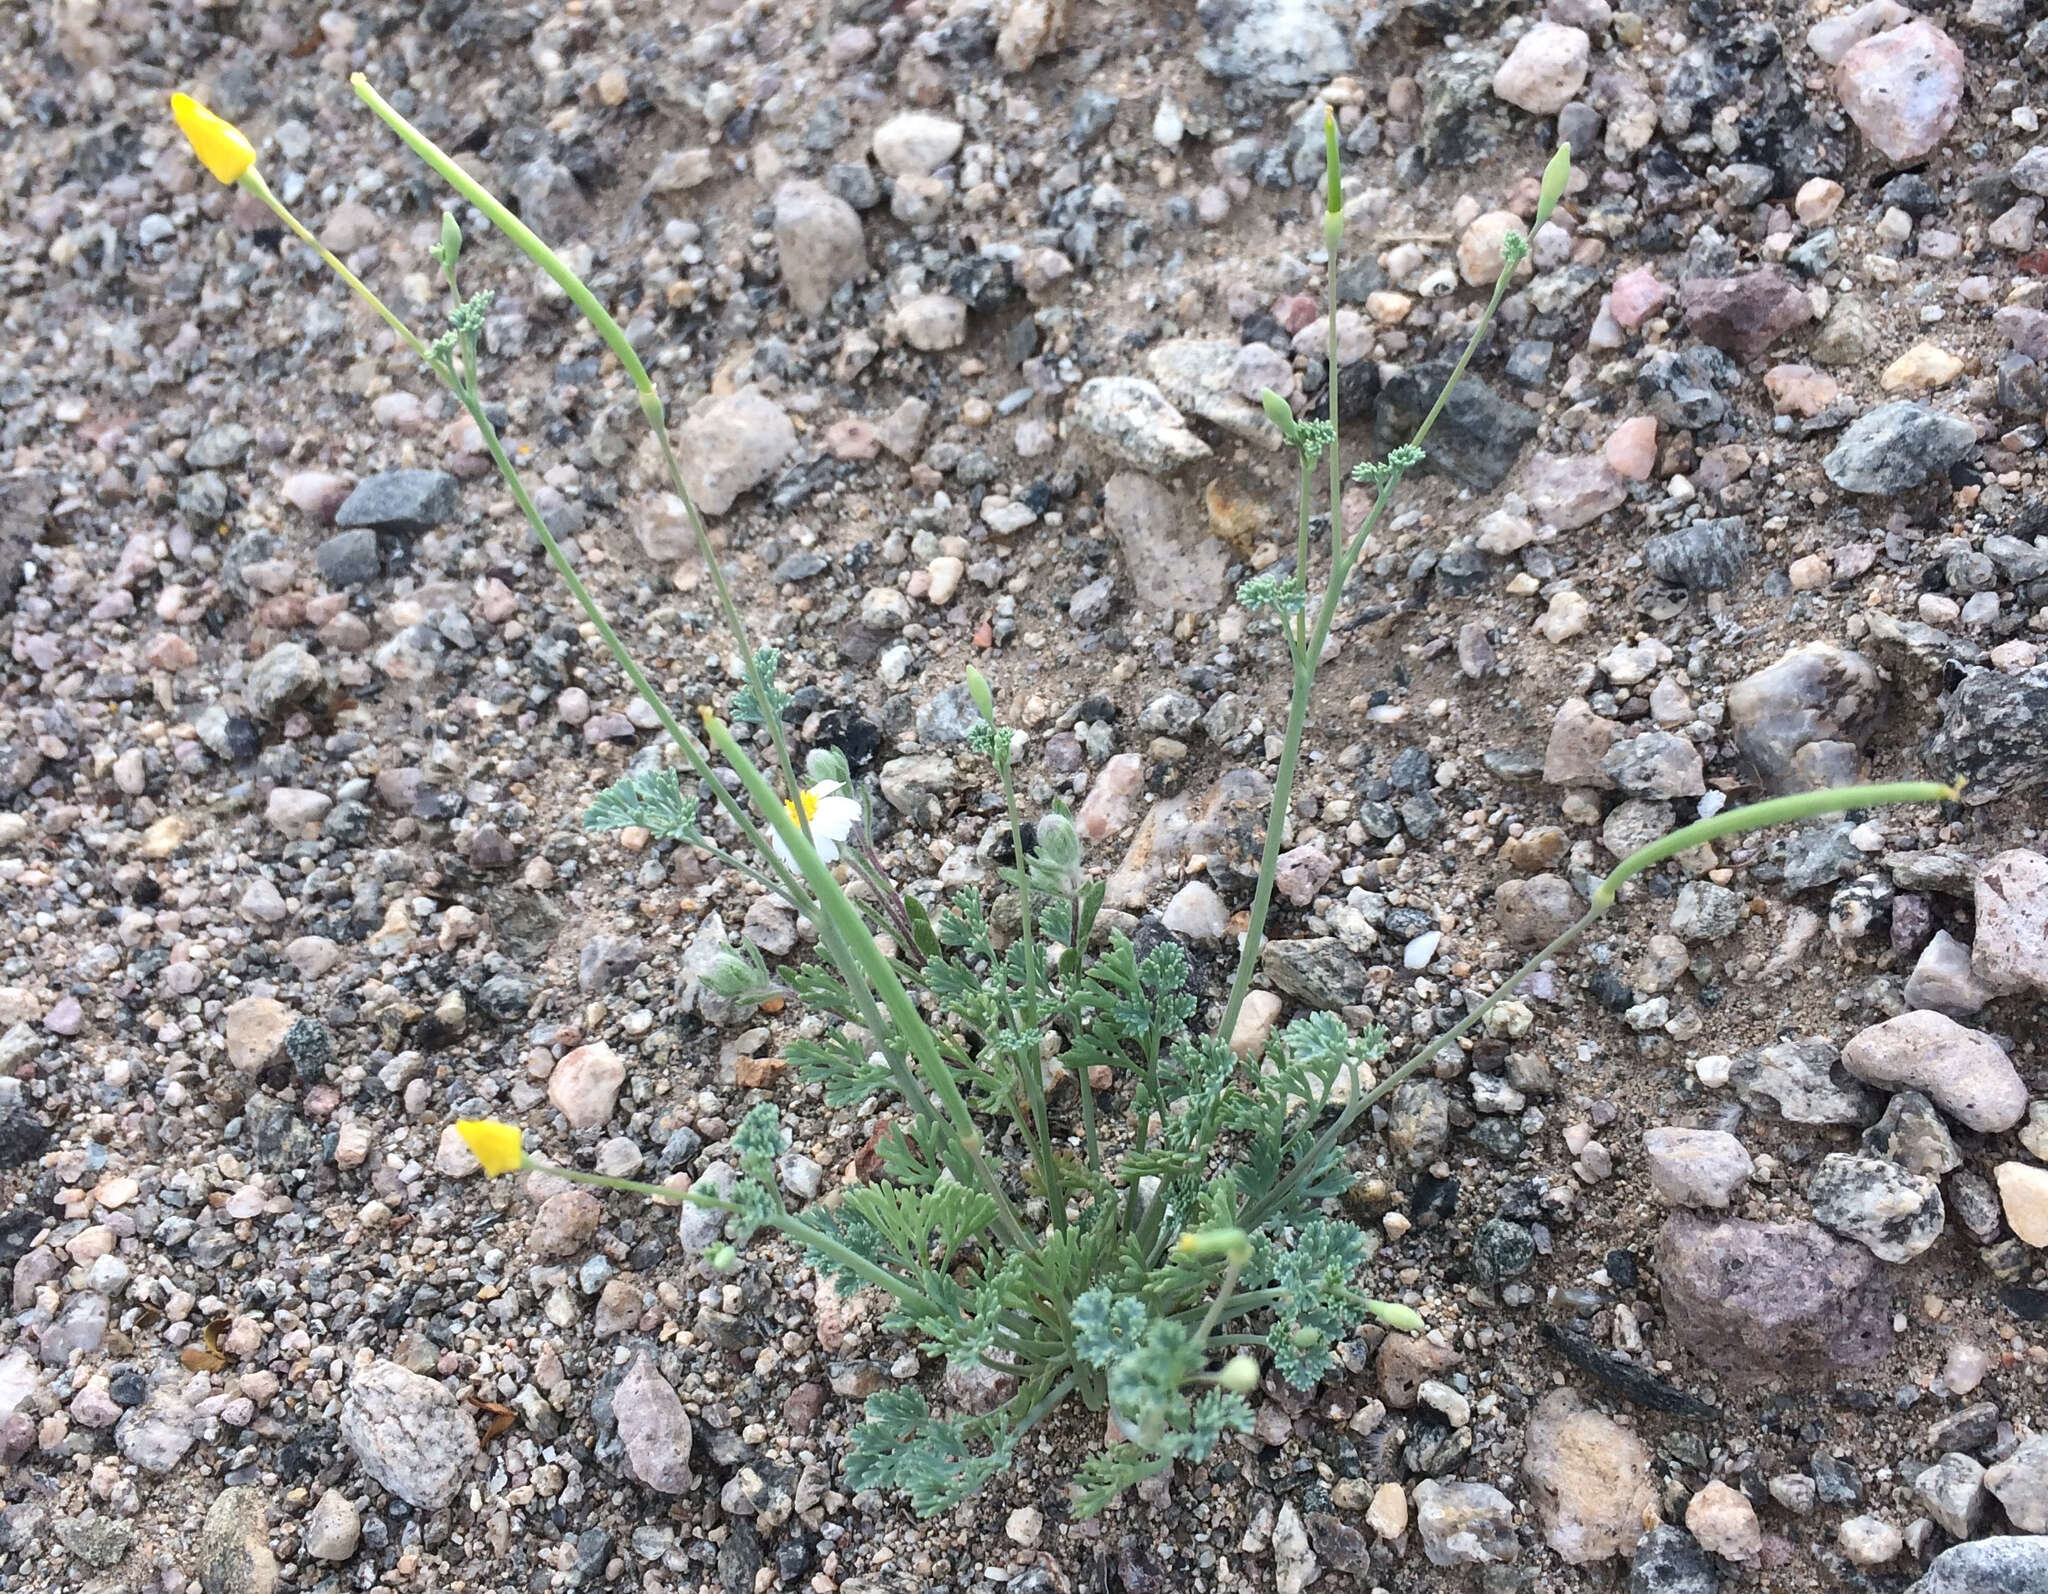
[1800, 389]
[1903, 89]
[1567, 491]
[852, 438]
[1107, 808]
[1746, 313]
[1295, 311]
[1632, 447]
[318, 493]
[1637, 296]
[585, 1084]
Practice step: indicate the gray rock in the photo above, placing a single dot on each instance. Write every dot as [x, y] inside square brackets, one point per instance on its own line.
[1994, 733]
[401, 500]
[218, 447]
[1803, 1082]
[156, 1434]
[1477, 439]
[1669, 1560]
[1897, 447]
[1170, 714]
[1707, 556]
[819, 241]
[1912, 1135]
[2010, 1565]
[333, 1527]
[233, 1551]
[1952, 1492]
[78, 1328]
[1173, 566]
[349, 558]
[1131, 419]
[1763, 1300]
[1660, 764]
[731, 444]
[1684, 388]
[1965, 1072]
[1896, 1213]
[1696, 1167]
[202, 500]
[283, 678]
[2020, 1484]
[949, 718]
[1320, 971]
[1464, 1524]
[1195, 374]
[2010, 954]
[908, 784]
[654, 1430]
[1275, 47]
[1944, 978]
[1705, 912]
[1816, 694]
[1091, 605]
[1819, 855]
[409, 1434]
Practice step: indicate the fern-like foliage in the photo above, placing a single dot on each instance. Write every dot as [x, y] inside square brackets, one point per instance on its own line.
[653, 800]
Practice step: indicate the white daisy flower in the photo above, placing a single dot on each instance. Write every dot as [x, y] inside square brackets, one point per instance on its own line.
[832, 817]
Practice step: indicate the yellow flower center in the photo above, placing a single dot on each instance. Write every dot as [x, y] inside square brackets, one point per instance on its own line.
[810, 802]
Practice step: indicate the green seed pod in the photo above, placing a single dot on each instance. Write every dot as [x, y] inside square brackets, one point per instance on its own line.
[1555, 176]
[984, 699]
[1402, 1319]
[1233, 1244]
[1333, 195]
[1278, 413]
[721, 1259]
[451, 240]
[1240, 1375]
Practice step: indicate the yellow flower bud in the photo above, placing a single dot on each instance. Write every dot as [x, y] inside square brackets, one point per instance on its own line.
[493, 1144]
[219, 144]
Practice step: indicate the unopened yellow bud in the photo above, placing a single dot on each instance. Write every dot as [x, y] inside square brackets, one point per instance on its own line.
[218, 143]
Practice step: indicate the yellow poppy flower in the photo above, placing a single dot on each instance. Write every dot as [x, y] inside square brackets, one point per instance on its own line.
[219, 144]
[495, 1145]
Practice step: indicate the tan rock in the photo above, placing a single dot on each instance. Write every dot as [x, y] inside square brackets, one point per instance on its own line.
[1589, 1478]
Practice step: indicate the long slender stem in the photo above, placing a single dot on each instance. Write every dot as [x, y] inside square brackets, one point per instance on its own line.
[845, 922]
[614, 336]
[252, 180]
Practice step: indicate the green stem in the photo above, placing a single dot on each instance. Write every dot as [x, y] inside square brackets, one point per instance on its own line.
[615, 339]
[844, 920]
[1776, 811]
[1735, 821]
[252, 180]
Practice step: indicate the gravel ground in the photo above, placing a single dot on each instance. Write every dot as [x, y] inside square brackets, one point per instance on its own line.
[1729, 1230]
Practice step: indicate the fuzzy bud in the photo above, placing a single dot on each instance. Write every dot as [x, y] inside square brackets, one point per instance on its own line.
[1240, 1375]
[721, 1259]
[449, 250]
